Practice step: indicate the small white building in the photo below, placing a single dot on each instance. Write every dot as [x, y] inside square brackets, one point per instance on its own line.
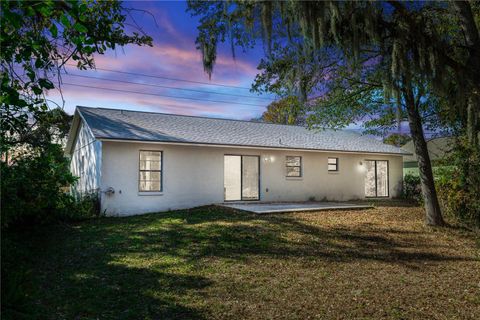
[143, 162]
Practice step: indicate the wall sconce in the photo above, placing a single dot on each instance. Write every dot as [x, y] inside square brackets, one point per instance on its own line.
[361, 167]
[268, 159]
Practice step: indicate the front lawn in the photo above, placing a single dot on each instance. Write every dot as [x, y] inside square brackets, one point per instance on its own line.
[212, 263]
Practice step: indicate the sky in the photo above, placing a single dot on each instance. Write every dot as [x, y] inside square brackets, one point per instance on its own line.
[172, 56]
[168, 77]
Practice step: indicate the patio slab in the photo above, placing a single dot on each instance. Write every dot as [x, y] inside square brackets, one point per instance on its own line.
[278, 207]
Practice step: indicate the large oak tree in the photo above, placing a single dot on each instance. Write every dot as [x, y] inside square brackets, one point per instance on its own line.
[434, 45]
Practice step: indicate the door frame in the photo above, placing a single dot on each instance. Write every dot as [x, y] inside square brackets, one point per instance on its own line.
[241, 176]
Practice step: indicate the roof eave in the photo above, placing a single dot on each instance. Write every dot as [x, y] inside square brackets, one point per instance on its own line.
[247, 146]
[78, 118]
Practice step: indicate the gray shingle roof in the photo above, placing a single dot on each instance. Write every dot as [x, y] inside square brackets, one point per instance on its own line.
[161, 127]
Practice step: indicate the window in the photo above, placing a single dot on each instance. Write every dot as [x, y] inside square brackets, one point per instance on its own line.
[376, 178]
[150, 175]
[332, 164]
[294, 166]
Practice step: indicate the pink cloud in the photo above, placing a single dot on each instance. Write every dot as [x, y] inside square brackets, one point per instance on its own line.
[75, 95]
[174, 55]
[178, 63]
[193, 55]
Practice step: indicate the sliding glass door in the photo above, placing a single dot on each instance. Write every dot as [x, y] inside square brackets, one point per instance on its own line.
[241, 177]
[376, 178]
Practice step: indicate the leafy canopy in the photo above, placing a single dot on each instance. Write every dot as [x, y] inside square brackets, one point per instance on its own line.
[432, 45]
[38, 38]
[288, 110]
[397, 139]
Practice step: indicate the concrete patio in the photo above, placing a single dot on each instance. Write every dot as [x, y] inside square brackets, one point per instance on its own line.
[278, 207]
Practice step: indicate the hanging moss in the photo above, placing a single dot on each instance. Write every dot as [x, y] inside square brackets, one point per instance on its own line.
[208, 49]
[334, 17]
[411, 42]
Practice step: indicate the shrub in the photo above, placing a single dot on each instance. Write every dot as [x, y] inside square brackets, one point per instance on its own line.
[84, 206]
[33, 190]
[458, 186]
[412, 189]
[458, 201]
[32, 186]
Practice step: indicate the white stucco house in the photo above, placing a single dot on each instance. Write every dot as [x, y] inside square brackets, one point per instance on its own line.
[143, 162]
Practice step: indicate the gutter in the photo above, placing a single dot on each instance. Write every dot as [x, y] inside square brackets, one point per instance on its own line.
[200, 144]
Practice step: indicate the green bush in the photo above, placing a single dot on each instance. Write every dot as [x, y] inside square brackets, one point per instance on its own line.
[33, 190]
[457, 181]
[86, 205]
[458, 186]
[32, 186]
[412, 189]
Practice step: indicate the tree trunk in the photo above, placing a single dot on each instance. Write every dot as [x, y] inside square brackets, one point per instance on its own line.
[473, 121]
[433, 214]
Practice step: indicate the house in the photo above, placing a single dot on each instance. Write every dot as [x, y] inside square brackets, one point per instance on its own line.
[438, 148]
[149, 162]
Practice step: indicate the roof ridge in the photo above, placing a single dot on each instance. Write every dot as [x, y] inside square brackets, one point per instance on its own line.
[205, 117]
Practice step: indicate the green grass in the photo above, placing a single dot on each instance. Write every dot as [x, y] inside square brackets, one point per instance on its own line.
[212, 263]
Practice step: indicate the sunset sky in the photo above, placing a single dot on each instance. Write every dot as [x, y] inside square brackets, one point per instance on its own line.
[137, 76]
[173, 55]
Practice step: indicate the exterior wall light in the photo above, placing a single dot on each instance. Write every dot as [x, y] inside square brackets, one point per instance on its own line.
[268, 159]
[361, 167]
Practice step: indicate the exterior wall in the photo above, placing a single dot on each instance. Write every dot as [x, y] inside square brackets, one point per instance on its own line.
[86, 161]
[193, 176]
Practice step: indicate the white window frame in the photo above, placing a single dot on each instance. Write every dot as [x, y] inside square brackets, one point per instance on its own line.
[300, 172]
[332, 164]
[141, 170]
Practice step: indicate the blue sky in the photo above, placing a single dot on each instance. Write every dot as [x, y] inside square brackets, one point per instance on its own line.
[173, 55]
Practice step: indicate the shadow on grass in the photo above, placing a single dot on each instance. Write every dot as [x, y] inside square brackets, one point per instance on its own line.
[67, 274]
[229, 234]
[151, 266]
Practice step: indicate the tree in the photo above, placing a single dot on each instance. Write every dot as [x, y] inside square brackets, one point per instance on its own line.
[288, 110]
[417, 45]
[33, 187]
[51, 127]
[286, 72]
[37, 39]
[397, 139]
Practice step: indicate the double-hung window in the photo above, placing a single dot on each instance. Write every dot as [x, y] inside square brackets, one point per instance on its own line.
[150, 171]
[332, 164]
[294, 166]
